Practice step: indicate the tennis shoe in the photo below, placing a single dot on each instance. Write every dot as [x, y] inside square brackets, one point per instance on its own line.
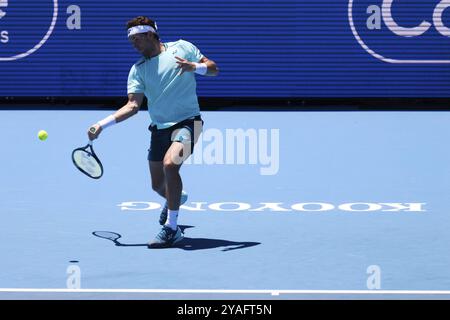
[166, 238]
[164, 212]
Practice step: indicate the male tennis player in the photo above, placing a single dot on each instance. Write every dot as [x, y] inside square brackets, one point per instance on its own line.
[165, 75]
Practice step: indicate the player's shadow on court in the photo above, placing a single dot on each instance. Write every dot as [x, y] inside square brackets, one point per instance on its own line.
[185, 244]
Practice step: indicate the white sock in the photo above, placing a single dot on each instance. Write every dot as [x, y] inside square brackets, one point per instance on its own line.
[171, 221]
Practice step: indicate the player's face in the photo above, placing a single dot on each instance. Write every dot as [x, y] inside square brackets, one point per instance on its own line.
[139, 41]
[145, 43]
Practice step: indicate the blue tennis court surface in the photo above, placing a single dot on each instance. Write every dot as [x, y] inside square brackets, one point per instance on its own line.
[323, 205]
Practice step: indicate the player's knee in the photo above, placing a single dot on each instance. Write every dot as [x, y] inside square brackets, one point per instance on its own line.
[157, 186]
[170, 166]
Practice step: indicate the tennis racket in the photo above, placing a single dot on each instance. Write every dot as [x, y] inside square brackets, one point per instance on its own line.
[86, 161]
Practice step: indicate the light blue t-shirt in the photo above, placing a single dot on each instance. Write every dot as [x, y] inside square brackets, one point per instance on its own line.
[171, 97]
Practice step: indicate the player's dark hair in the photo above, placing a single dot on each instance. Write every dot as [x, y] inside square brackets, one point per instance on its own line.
[141, 20]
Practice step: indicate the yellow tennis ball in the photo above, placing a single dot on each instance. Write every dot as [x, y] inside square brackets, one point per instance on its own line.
[43, 135]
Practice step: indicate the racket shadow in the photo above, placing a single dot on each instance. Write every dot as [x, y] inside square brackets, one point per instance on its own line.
[114, 237]
[189, 244]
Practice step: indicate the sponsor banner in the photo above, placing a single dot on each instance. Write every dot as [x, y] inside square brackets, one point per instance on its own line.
[403, 32]
[281, 207]
[274, 49]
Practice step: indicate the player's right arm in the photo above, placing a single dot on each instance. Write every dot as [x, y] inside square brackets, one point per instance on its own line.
[128, 110]
[131, 108]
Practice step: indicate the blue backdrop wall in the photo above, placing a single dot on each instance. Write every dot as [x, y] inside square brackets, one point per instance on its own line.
[264, 48]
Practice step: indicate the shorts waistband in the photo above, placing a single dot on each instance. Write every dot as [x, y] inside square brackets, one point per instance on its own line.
[154, 128]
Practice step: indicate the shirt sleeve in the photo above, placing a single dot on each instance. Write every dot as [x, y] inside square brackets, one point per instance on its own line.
[135, 81]
[193, 53]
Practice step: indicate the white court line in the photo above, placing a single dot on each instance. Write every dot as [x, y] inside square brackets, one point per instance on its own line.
[271, 292]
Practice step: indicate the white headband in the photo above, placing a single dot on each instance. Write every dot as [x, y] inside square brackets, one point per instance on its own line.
[140, 29]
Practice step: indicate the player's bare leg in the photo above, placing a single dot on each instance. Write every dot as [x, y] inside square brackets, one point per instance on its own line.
[171, 165]
[158, 177]
[171, 232]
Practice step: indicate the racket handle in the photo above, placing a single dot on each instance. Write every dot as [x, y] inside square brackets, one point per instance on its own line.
[92, 130]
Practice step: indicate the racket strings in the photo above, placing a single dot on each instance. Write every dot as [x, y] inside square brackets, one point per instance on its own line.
[87, 163]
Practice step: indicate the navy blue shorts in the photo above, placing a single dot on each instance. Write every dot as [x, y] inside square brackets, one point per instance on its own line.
[185, 131]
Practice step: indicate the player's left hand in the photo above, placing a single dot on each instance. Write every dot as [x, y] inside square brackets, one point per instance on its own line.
[185, 65]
